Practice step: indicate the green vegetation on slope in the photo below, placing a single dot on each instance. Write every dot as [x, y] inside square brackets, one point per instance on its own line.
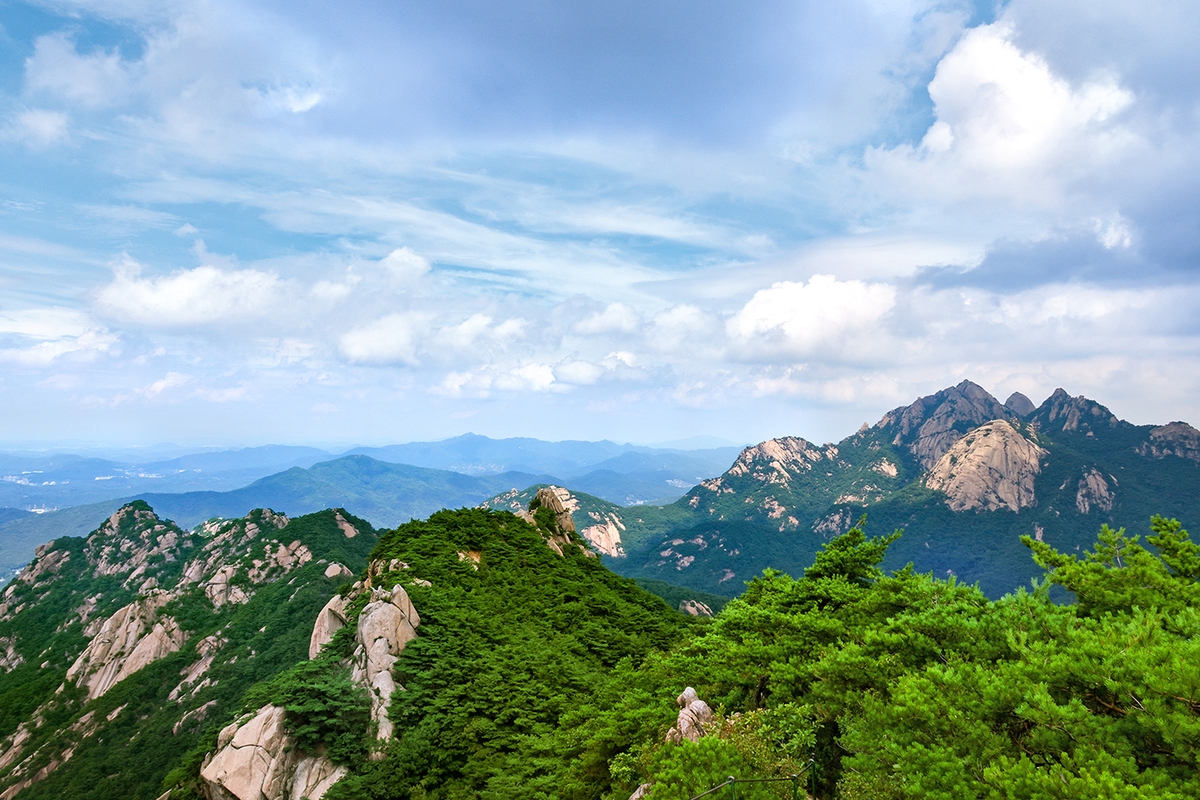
[124, 743]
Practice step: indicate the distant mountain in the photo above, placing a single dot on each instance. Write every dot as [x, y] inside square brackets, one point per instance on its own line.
[61, 480]
[623, 473]
[962, 474]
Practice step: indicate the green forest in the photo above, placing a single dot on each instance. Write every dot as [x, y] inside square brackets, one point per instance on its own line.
[536, 675]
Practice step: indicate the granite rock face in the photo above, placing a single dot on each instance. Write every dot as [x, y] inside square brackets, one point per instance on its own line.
[991, 468]
[385, 626]
[1061, 412]
[257, 760]
[1094, 492]
[1173, 439]
[131, 639]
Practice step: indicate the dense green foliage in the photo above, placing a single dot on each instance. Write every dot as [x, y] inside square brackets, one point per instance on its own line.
[507, 645]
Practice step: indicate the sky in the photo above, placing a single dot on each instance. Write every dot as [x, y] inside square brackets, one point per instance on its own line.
[237, 223]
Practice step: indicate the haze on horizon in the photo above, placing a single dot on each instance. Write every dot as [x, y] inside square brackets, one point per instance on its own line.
[256, 221]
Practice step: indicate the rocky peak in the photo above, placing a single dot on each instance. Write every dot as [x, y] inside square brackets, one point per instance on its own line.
[551, 510]
[778, 460]
[990, 468]
[931, 425]
[1061, 412]
[1019, 404]
[132, 539]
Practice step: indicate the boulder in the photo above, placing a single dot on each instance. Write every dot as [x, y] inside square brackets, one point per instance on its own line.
[694, 718]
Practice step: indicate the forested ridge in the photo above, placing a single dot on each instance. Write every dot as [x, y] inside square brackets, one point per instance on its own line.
[872, 684]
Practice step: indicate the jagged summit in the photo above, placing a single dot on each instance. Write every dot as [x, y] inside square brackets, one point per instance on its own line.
[1061, 412]
[931, 425]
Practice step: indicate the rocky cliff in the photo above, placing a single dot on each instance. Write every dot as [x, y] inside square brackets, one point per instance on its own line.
[991, 468]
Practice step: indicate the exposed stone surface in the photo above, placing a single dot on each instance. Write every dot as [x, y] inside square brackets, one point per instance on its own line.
[992, 467]
[336, 570]
[777, 460]
[347, 529]
[1173, 439]
[10, 659]
[605, 535]
[931, 425]
[1061, 412]
[563, 504]
[221, 590]
[129, 640]
[130, 539]
[1093, 491]
[694, 716]
[1020, 405]
[331, 619]
[257, 760]
[385, 626]
[207, 649]
[695, 608]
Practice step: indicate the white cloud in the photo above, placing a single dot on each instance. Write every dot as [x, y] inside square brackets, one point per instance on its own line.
[389, 340]
[615, 318]
[89, 80]
[404, 266]
[798, 317]
[477, 330]
[187, 297]
[39, 127]
[1007, 125]
[169, 381]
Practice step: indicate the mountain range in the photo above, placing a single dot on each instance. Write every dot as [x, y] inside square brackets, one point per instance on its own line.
[962, 474]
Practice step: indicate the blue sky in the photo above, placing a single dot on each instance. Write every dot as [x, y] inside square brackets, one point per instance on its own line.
[364, 222]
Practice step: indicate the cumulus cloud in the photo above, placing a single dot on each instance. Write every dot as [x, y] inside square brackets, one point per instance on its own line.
[510, 378]
[1007, 125]
[797, 318]
[477, 330]
[187, 297]
[389, 340]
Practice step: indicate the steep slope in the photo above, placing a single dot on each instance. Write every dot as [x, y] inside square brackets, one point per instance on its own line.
[121, 648]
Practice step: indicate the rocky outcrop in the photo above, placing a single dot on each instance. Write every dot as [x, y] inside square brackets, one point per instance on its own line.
[605, 535]
[1061, 412]
[777, 461]
[931, 425]
[132, 638]
[1093, 492]
[560, 530]
[695, 608]
[331, 619]
[1173, 439]
[257, 760]
[10, 659]
[385, 626]
[131, 540]
[1019, 404]
[221, 590]
[694, 717]
[990, 468]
